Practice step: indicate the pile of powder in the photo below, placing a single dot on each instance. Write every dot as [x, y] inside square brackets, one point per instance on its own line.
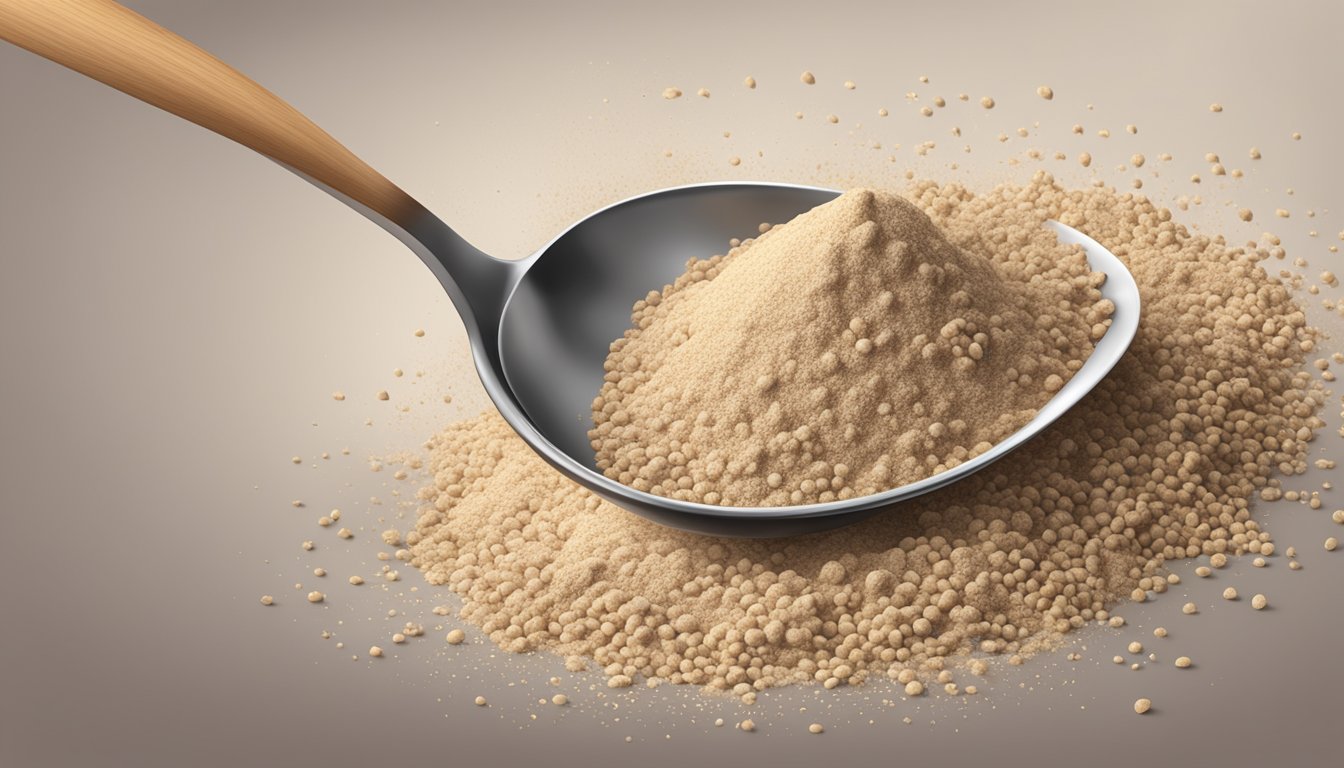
[851, 350]
[1160, 462]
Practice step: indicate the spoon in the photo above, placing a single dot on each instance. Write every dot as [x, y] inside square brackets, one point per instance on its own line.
[539, 327]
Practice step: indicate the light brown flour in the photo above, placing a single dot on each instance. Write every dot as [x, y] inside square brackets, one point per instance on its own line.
[1160, 462]
[851, 350]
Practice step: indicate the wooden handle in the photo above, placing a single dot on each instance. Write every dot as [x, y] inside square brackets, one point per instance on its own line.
[123, 49]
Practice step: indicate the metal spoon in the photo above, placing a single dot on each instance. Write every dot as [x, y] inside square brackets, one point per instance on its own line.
[539, 327]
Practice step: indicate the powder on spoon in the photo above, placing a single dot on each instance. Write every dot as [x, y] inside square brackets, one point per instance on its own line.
[851, 350]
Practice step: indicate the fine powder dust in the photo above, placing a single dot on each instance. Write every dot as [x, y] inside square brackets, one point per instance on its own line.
[1160, 462]
[848, 351]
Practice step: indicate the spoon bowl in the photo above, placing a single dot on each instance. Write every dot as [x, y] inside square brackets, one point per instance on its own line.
[573, 297]
[540, 328]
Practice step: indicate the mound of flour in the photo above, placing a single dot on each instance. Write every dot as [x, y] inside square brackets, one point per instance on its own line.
[848, 351]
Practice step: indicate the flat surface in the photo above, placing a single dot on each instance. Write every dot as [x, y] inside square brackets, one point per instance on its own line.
[176, 312]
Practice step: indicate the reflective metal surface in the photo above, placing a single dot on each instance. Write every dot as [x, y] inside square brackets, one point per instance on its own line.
[541, 328]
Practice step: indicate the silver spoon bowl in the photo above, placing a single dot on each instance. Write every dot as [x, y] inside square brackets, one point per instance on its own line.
[540, 351]
[540, 328]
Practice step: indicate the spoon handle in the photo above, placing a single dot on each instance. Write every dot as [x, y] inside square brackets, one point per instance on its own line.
[118, 47]
[123, 49]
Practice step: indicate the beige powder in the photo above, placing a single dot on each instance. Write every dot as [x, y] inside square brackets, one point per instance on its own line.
[1159, 463]
[851, 350]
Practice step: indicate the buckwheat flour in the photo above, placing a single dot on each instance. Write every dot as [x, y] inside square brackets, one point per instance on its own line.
[851, 350]
[1160, 462]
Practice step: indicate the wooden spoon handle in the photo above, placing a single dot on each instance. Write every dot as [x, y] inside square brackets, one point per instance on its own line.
[123, 49]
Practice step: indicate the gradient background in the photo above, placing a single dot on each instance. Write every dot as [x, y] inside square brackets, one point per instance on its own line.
[175, 312]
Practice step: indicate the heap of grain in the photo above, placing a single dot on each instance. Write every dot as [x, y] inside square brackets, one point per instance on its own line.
[1160, 462]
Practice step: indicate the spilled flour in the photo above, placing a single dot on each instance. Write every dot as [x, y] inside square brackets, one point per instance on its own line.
[851, 350]
[1160, 462]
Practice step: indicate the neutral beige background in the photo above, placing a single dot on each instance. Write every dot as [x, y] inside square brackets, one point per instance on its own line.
[175, 312]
